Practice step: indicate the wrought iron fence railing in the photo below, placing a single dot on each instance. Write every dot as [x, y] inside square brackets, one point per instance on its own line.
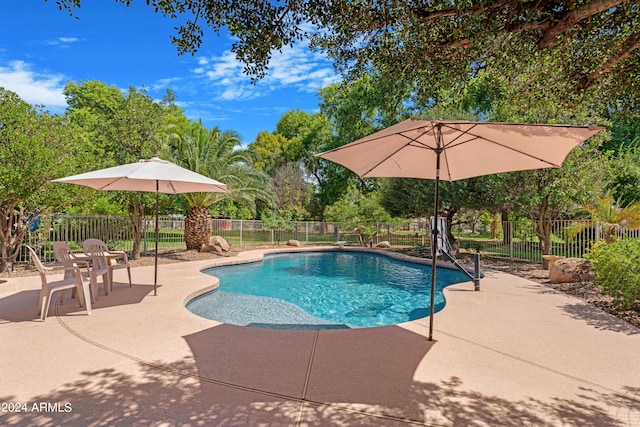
[512, 239]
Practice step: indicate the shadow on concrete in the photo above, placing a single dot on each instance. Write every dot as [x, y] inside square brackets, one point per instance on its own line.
[23, 306]
[249, 379]
[242, 376]
[599, 319]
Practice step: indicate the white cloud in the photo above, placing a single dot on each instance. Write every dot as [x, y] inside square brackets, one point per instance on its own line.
[33, 88]
[295, 68]
[164, 83]
[63, 41]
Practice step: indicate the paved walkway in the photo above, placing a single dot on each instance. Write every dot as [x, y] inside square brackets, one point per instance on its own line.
[515, 354]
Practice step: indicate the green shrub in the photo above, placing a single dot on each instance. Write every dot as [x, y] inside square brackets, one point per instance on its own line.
[617, 268]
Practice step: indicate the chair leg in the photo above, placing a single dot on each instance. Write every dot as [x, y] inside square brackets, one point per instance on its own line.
[45, 305]
[93, 282]
[129, 272]
[107, 280]
[43, 295]
[86, 295]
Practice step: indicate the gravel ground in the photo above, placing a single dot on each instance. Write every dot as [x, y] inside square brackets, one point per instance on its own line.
[585, 291]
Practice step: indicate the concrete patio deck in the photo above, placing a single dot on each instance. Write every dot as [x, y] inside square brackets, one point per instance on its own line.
[514, 354]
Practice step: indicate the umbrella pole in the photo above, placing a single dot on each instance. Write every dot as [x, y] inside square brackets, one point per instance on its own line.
[155, 263]
[434, 245]
[434, 233]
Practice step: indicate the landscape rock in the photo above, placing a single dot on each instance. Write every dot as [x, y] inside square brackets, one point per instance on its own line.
[569, 270]
[293, 242]
[210, 248]
[384, 244]
[221, 242]
[216, 244]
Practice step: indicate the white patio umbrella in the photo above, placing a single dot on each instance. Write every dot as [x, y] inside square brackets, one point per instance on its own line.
[152, 175]
[453, 150]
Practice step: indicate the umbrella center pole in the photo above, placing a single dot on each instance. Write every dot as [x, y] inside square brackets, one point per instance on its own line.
[155, 260]
[434, 240]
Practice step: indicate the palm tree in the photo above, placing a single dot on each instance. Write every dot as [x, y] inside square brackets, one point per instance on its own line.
[613, 217]
[217, 155]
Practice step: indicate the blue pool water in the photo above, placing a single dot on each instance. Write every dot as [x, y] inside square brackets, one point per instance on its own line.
[323, 290]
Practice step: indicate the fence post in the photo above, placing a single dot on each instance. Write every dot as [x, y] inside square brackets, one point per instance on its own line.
[144, 233]
[240, 233]
[511, 225]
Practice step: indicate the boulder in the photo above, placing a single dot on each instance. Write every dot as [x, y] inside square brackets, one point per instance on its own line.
[293, 242]
[210, 248]
[569, 270]
[221, 242]
[384, 244]
[217, 244]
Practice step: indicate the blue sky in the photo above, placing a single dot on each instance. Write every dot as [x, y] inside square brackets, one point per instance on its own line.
[42, 48]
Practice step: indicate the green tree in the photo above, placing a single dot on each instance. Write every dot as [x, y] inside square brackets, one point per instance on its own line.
[310, 134]
[624, 183]
[359, 213]
[124, 129]
[273, 150]
[586, 49]
[611, 216]
[278, 220]
[414, 198]
[546, 195]
[353, 110]
[35, 148]
[217, 155]
[290, 189]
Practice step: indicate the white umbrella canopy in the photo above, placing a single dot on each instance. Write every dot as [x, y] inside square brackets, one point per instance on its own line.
[152, 175]
[454, 150]
[149, 175]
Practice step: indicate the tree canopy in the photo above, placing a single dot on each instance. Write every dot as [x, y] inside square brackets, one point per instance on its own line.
[35, 148]
[577, 48]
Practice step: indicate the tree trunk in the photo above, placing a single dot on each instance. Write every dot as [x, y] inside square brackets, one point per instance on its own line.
[136, 216]
[495, 225]
[197, 227]
[542, 228]
[11, 237]
[506, 229]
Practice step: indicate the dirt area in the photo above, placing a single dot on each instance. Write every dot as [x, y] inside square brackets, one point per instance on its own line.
[587, 292]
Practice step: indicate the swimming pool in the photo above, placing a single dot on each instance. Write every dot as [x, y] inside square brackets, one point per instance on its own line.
[323, 290]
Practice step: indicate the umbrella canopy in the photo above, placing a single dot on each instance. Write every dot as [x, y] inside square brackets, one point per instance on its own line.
[410, 149]
[453, 150]
[152, 175]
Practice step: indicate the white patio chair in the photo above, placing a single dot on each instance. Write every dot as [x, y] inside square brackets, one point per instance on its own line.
[65, 257]
[99, 248]
[74, 281]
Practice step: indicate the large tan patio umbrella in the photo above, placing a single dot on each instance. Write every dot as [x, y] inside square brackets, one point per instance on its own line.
[453, 150]
[154, 176]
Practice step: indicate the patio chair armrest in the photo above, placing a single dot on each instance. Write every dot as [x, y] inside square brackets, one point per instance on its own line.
[83, 264]
[75, 269]
[121, 253]
[55, 266]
